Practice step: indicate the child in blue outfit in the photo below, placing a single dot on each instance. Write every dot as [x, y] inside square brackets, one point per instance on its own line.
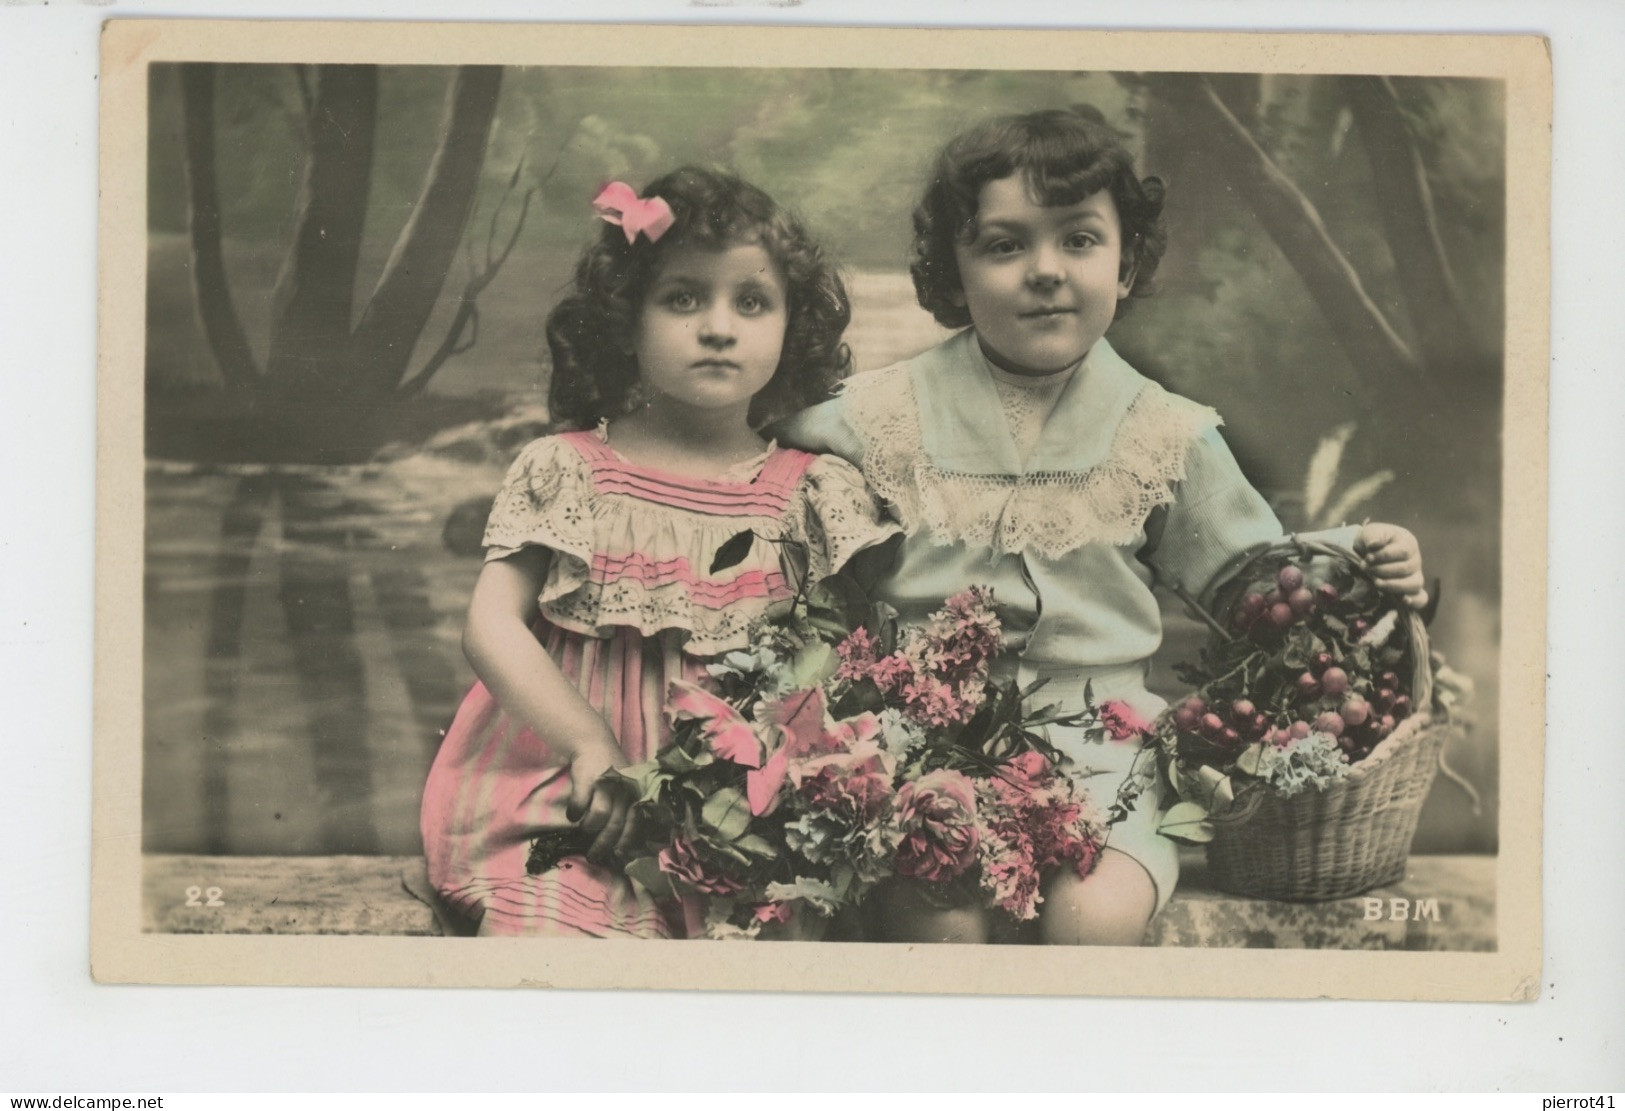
[1024, 454]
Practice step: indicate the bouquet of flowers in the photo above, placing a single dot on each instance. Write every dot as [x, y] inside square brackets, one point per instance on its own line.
[1312, 678]
[836, 751]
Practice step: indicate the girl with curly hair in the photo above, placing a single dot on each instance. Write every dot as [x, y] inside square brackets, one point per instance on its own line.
[1024, 454]
[701, 311]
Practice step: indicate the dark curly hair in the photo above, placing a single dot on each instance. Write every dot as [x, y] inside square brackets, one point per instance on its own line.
[589, 333]
[1064, 156]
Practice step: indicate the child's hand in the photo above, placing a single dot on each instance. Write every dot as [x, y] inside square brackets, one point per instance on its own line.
[599, 799]
[1394, 560]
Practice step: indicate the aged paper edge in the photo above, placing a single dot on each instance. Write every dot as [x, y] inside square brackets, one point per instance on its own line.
[120, 952]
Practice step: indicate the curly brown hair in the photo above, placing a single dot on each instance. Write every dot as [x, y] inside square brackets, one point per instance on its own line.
[1064, 157]
[588, 333]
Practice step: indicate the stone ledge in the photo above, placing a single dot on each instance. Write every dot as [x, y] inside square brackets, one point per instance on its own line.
[365, 895]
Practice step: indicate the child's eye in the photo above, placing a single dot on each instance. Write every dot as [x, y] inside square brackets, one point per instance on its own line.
[1003, 247]
[1080, 240]
[681, 300]
[752, 304]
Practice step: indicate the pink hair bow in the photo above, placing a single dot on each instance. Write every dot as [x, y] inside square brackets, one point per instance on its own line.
[618, 204]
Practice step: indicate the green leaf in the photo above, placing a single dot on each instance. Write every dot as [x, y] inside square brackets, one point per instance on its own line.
[813, 664]
[840, 599]
[1188, 822]
[727, 812]
[757, 845]
[645, 872]
[733, 551]
[1247, 762]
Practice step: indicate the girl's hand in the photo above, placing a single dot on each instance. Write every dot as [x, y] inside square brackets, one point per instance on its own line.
[599, 799]
[1394, 560]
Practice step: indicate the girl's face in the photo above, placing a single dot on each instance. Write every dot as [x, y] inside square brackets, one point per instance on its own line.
[1041, 283]
[712, 326]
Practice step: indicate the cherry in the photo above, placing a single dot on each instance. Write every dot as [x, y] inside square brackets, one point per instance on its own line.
[1228, 737]
[1308, 686]
[1253, 604]
[1298, 730]
[1289, 578]
[1386, 725]
[1326, 594]
[1259, 724]
[1301, 601]
[1334, 681]
[1210, 725]
[1242, 710]
[1329, 722]
[1280, 615]
[1321, 662]
[1359, 627]
[1402, 707]
[1383, 699]
[1187, 719]
[1388, 679]
[1356, 710]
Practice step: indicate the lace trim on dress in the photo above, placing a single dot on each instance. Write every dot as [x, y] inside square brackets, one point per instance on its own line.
[628, 560]
[1050, 513]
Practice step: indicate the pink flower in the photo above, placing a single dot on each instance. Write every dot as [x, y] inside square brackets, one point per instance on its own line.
[773, 912]
[858, 653]
[933, 703]
[1030, 770]
[682, 862]
[729, 735]
[1121, 721]
[936, 815]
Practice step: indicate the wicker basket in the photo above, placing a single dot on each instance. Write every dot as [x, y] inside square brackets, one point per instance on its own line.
[1354, 835]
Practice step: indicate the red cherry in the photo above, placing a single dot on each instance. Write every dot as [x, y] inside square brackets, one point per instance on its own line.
[1280, 615]
[1242, 709]
[1402, 707]
[1359, 627]
[1259, 725]
[1326, 594]
[1280, 738]
[1298, 730]
[1301, 601]
[1386, 725]
[1253, 604]
[1355, 711]
[1334, 681]
[1329, 722]
[1308, 686]
[1388, 679]
[1383, 699]
[1187, 719]
[1321, 662]
[1195, 705]
[1228, 737]
[1289, 578]
[1211, 726]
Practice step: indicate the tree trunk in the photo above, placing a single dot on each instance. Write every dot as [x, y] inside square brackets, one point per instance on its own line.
[1405, 204]
[315, 292]
[1292, 222]
[427, 246]
[221, 325]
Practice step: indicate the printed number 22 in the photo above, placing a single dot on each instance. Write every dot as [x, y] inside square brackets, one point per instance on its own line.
[195, 895]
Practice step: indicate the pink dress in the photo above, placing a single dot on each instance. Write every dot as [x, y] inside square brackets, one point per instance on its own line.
[628, 604]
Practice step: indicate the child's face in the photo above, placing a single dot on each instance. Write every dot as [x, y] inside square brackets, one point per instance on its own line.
[712, 326]
[1041, 283]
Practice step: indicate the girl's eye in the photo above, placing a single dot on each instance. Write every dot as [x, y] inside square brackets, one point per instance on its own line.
[1003, 247]
[1079, 240]
[752, 304]
[681, 300]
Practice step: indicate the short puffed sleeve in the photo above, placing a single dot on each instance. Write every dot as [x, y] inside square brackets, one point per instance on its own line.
[836, 515]
[546, 501]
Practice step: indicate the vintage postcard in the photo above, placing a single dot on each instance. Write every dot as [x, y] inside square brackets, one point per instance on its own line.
[811, 509]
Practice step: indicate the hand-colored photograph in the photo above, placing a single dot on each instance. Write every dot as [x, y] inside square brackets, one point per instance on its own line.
[853, 527]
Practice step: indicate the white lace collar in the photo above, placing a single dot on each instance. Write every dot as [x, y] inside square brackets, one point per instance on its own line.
[937, 447]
